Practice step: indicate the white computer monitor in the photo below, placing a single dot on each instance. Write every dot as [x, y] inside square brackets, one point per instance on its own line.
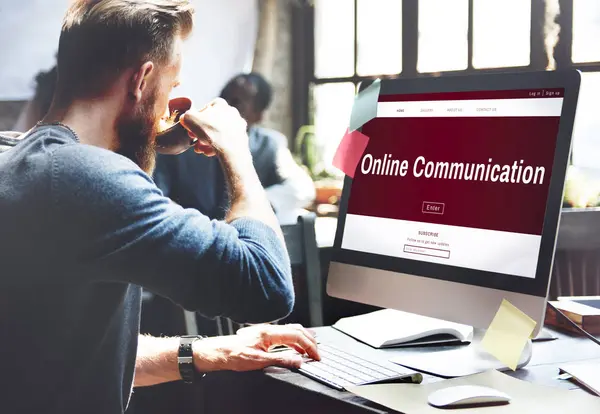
[456, 201]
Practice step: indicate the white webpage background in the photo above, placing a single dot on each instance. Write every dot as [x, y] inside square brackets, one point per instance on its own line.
[518, 107]
[486, 250]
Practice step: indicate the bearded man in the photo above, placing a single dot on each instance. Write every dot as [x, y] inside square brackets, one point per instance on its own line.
[84, 228]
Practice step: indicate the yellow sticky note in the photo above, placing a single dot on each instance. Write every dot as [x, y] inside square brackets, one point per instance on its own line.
[508, 334]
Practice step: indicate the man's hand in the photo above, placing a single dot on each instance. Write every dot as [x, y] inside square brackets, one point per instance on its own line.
[219, 128]
[249, 349]
[222, 131]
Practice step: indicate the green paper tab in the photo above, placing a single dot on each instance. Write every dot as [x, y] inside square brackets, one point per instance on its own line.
[365, 106]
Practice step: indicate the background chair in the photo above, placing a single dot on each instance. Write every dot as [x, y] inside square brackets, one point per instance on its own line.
[302, 247]
[576, 268]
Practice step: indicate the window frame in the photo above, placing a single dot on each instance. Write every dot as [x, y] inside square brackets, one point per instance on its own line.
[304, 47]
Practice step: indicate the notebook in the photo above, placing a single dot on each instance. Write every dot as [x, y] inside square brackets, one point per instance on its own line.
[388, 328]
[586, 373]
[584, 311]
[592, 301]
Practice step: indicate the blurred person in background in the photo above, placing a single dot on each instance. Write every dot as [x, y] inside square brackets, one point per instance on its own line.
[198, 182]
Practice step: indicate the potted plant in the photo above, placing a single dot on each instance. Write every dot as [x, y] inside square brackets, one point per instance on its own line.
[308, 152]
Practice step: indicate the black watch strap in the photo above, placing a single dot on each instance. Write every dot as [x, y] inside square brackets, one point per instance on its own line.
[185, 359]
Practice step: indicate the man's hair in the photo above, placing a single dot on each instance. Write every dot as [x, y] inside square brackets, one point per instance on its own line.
[102, 38]
[264, 91]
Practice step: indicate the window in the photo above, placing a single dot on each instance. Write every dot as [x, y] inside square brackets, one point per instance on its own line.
[586, 31]
[501, 33]
[356, 40]
[585, 55]
[443, 35]
[379, 37]
[334, 38]
[587, 127]
[333, 105]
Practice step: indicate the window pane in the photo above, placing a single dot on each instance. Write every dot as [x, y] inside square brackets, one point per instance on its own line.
[501, 33]
[586, 31]
[334, 38]
[586, 132]
[332, 107]
[379, 37]
[443, 35]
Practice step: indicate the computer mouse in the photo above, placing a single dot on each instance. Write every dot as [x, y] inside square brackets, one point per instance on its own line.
[465, 395]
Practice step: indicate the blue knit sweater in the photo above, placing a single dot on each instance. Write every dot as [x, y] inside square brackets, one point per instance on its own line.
[82, 228]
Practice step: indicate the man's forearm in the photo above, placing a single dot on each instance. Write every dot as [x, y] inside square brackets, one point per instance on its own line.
[156, 361]
[248, 198]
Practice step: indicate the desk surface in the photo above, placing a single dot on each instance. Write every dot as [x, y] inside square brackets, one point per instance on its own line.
[542, 369]
[278, 390]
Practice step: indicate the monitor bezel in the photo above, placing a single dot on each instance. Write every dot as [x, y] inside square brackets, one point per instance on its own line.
[539, 286]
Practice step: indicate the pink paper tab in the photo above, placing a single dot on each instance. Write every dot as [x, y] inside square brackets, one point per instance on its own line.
[350, 151]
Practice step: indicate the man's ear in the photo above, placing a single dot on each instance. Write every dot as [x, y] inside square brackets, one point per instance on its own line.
[139, 82]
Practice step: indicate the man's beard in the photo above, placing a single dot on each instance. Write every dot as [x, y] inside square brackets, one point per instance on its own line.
[137, 136]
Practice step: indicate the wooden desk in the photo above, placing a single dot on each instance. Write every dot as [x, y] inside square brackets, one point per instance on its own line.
[279, 390]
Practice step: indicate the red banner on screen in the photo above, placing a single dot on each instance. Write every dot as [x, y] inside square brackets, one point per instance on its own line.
[503, 206]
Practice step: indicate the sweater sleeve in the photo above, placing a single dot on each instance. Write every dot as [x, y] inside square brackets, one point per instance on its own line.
[119, 227]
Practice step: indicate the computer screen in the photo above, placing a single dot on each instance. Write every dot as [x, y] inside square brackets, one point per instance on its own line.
[459, 179]
[455, 202]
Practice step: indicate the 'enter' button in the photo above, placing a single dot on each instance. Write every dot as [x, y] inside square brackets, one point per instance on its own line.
[430, 207]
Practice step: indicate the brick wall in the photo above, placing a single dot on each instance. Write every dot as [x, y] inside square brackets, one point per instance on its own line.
[279, 115]
[272, 58]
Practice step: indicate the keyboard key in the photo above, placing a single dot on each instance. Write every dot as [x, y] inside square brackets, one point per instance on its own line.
[357, 360]
[348, 369]
[340, 363]
[324, 375]
[340, 369]
[335, 372]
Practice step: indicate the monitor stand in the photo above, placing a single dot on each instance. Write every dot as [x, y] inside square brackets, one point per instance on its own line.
[457, 361]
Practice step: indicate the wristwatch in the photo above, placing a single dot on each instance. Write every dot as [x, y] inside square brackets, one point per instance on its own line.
[185, 359]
